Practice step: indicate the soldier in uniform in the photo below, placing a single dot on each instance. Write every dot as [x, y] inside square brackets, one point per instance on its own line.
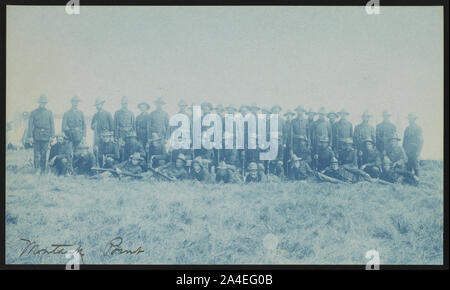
[341, 129]
[73, 124]
[348, 156]
[396, 175]
[61, 155]
[321, 129]
[231, 156]
[199, 170]
[226, 173]
[339, 173]
[253, 175]
[310, 115]
[124, 125]
[300, 128]
[384, 132]
[288, 134]
[323, 155]
[363, 131]
[278, 169]
[203, 152]
[156, 150]
[332, 118]
[134, 165]
[108, 151]
[41, 129]
[412, 144]
[370, 159]
[132, 145]
[102, 121]
[396, 153]
[159, 120]
[300, 169]
[143, 124]
[177, 170]
[83, 160]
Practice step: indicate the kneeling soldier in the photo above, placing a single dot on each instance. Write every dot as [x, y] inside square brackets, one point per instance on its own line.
[134, 165]
[254, 175]
[108, 151]
[323, 155]
[199, 170]
[347, 156]
[397, 175]
[177, 170]
[61, 155]
[83, 160]
[370, 159]
[226, 173]
[300, 169]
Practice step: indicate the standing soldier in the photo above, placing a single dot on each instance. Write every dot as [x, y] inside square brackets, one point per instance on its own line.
[384, 132]
[61, 155]
[323, 155]
[363, 131]
[300, 128]
[143, 124]
[342, 129]
[124, 124]
[288, 139]
[311, 115]
[102, 122]
[412, 143]
[347, 156]
[108, 151]
[321, 129]
[159, 120]
[41, 129]
[73, 124]
[396, 153]
[371, 159]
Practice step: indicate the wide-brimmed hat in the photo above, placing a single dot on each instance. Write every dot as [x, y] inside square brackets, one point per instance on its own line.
[144, 104]
[366, 113]
[332, 115]
[230, 108]
[207, 104]
[99, 101]
[181, 157]
[75, 99]
[155, 137]
[300, 109]
[275, 107]
[124, 100]
[252, 166]
[386, 113]
[43, 99]
[159, 101]
[334, 160]
[343, 112]
[219, 108]
[136, 156]
[321, 111]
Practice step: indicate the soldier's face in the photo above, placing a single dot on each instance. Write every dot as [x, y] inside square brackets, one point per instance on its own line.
[134, 161]
[179, 163]
[124, 105]
[253, 173]
[369, 146]
[297, 164]
[42, 105]
[74, 105]
[99, 107]
[323, 144]
[386, 167]
[60, 139]
[196, 167]
[334, 166]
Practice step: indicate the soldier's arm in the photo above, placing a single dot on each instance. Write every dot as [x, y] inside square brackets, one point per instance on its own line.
[116, 126]
[52, 125]
[94, 122]
[133, 122]
[64, 122]
[83, 125]
[420, 145]
[110, 122]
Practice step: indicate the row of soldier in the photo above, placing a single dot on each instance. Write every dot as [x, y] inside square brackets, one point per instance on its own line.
[310, 144]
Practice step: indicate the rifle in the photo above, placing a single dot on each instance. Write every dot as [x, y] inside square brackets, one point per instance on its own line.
[324, 177]
[161, 174]
[116, 173]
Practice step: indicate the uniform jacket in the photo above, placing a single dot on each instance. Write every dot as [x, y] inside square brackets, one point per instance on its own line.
[143, 127]
[41, 125]
[384, 132]
[362, 132]
[124, 123]
[102, 121]
[159, 123]
[348, 157]
[321, 128]
[413, 140]
[341, 129]
[324, 158]
[74, 125]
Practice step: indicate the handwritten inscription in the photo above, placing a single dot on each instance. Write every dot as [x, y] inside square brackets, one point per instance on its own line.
[114, 248]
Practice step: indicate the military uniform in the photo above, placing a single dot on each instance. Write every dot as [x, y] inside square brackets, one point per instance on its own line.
[302, 172]
[124, 124]
[41, 129]
[412, 144]
[384, 132]
[159, 123]
[321, 128]
[324, 157]
[342, 129]
[61, 154]
[363, 131]
[348, 157]
[397, 154]
[74, 126]
[371, 162]
[109, 154]
[102, 121]
[83, 161]
[143, 128]
[132, 145]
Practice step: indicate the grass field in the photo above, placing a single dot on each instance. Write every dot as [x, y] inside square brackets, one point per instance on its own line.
[186, 223]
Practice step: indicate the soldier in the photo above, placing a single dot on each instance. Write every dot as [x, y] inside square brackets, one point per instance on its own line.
[254, 175]
[73, 124]
[281, 138]
[132, 145]
[61, 155]
[324, 154]
[321, 129]
[278, 169]
[124, 125]
[303, 150]
[347, 156]
[41, 130]
[159, 120]
[371, 159]
[300, 169]
[226, 173]
[199, 171]
[83, 160]
[300, 128]
[143, 124]
[393, 175]
[396, 153]
[102, 121]
[288, 134]
[342, 129]
[133, 165]
[178, 170]
[219, 153]
[108, 151]
[338, 173]
[384, 132]
[156, 148]
[412, 143]
[332, 118]
[310, 115]
[363, 131]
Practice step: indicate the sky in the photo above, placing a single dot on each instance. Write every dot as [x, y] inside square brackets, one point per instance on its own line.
[337, 57]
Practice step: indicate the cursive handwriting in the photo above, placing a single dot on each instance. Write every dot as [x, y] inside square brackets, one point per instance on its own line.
[114, 248]
[32, 248]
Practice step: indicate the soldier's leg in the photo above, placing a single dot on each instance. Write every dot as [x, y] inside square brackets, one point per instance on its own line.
[43, 156]
[37, 154]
